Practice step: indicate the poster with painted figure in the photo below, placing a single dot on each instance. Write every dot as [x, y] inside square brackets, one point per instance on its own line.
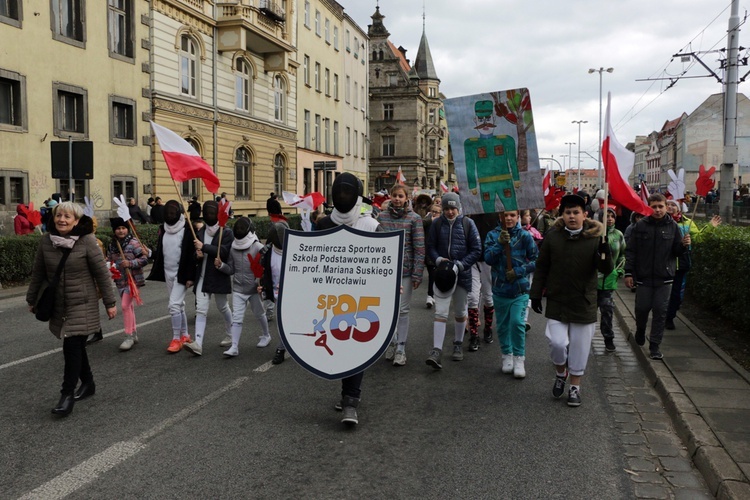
[495, 152]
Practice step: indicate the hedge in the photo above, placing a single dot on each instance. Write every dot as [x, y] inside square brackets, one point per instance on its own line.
[720, 276]
[18, 252]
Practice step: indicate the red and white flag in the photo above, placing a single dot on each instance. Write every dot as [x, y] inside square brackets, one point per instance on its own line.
[546, 182]
[618, 165]
[443, 187]
[310, 201]
[644, 192]
[400, 177]
[183, 160]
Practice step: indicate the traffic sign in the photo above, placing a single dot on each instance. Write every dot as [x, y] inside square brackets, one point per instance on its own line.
[560, 180]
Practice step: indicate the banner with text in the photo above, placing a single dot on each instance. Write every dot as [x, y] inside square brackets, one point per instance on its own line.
[339, 298]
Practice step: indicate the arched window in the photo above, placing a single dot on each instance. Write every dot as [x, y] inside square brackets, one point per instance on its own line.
[279, 167]
[188, 66]
[190, 188]
[380, 54]
[279, 94]
[243, 86]
[242, 164]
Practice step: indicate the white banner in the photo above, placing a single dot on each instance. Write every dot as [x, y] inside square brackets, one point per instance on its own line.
[339, 297]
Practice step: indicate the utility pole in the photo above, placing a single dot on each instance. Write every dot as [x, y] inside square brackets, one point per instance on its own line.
[726, 182]
[579, 122]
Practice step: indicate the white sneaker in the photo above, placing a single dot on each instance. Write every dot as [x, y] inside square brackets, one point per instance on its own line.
[226, 342]
[390, 352]
[399, 359]
[264, 341]
[430, 302]
[128, 343]
[519, 371]
[507, 363]
[231, 352]
[193, 347]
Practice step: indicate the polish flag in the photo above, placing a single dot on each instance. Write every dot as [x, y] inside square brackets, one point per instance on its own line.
[400, 177]
[618, 165]
[546, 182]
[443, 187]
[644, 192]
[310, 201]
[183, 160]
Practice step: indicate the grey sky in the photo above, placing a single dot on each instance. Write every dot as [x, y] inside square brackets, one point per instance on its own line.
[549, 45]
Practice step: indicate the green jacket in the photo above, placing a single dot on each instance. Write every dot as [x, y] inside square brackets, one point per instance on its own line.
[617, 245]
[567, 268]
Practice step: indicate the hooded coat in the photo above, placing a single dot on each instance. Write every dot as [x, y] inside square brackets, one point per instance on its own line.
[84, 276]
[21, 223]
[567, 268]
[449, 241]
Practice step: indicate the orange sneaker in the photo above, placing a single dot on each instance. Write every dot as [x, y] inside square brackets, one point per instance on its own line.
[174, 346]
[185, 339]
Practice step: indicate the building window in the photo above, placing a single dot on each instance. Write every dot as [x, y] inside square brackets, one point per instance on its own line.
[327, 82]
[362, 94]
[243, 87]
[431, 116]
[307, 129]
[68, 21]
[336, 138]
[121, 28]
[356, 143]
[70, 110]
[12, 101]
[188, 67]
[11, 12]
[348, 139]
[356, 96]
[317, 22]
[328, 31]
[81, 188]
[278, 174]
[317, 133]
[392, 80]
[190, 188]
[388, 111]
[432, 92]
[336, 37]
[336, 86]
[242, 165]
[125, 186]
[122, 121]
[14, 188]
[347, 90]
[356, 47]
[306, 69]
[327, 135]
[279, 113]
[346, 41]
[389, 145]
[364, 145]
[307, 14]
[317, 77]
[433, 149]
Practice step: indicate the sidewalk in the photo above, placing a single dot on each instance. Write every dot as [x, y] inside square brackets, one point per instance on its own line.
[707, 396]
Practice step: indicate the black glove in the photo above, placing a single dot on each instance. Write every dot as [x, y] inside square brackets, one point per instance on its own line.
[536, 305]
[604, 246]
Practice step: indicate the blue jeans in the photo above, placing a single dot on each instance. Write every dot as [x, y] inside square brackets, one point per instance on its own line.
[511, 327]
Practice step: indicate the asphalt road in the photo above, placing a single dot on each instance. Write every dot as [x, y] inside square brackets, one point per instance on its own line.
[176, 426]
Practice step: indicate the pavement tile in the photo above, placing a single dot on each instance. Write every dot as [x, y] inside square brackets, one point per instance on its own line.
[676, 464]
[695, 432]
[727, 420]
[655, 417]
[712, 380]
[660, 437]
[691, 495]
[696, 351]
[646, 397]
[636, 450]
[683, 479]
[681, 403]
[734, 490]
[618, 393]
[745, 467]
[668, 450]
[725, 398]
[636, 438]
[618, 400]
[648, 477]
[737, 444]
[626, 417]
[716, 466]
[655, 426]
[641, 465]
[670, 385]
[650, 491]
[628, 427]
[682, 365]
[650, 407]
[626, 408]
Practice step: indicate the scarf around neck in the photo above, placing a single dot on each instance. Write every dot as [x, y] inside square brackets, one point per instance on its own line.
[177, 227]
[245, 243]
[348, 218]
[212, 230]
[397, 212]
[63, 241]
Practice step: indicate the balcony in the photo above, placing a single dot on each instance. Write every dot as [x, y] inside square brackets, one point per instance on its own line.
[261, 30]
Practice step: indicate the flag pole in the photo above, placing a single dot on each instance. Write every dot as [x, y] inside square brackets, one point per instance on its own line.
[604, 214]
[182, 204]
[695, 209]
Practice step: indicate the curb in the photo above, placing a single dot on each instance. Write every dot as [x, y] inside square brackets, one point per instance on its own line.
[723, 476]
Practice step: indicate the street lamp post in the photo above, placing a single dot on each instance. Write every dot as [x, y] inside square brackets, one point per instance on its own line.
[599, 145]
[579, 122]
[570, 145]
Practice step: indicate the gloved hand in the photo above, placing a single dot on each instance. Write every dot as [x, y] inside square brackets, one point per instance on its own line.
[504, 237]
[604, 246]
[536, 305]
[459, 265]
[510, 275]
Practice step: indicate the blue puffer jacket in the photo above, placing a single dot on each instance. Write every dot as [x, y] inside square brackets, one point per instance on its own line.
[446, 240]
[523, 254]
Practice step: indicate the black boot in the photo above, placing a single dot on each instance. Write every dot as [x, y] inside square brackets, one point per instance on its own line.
[64, 406]
[85, 390]
[96, 337]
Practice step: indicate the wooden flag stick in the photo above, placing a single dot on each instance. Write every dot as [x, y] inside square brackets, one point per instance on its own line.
[184, 211]
[604, 218]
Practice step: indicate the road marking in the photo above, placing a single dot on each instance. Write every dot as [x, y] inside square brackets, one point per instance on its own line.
[87, 471]
[264, 367]
[59, 349]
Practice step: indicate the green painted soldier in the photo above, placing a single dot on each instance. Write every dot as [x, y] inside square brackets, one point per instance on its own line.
[491, 168]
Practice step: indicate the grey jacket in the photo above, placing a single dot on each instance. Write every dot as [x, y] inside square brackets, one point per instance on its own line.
[238, 265]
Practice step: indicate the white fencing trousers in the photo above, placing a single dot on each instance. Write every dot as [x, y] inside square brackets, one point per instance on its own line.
[201, 311]
[176, 308]
[239, 305]
[481, 286]
[443, 304]
[570, 342]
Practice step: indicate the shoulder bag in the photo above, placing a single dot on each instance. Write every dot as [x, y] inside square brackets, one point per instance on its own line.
[45, 303]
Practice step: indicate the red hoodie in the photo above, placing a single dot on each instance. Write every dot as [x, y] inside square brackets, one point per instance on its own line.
[20, 223]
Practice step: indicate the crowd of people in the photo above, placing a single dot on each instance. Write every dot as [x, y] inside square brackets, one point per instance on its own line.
[500, 264]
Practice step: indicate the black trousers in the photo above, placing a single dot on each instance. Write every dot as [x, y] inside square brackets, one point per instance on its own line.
[351, 386]
[76, 363]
